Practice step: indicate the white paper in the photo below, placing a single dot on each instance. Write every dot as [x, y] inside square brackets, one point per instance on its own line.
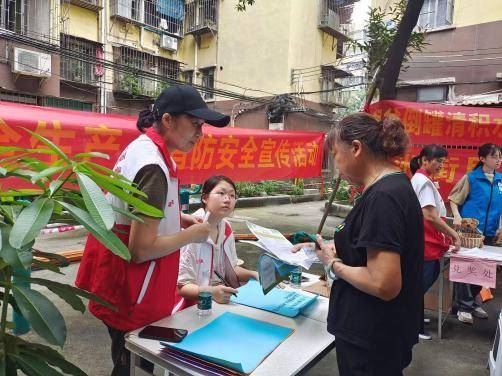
[274, 242]
[487, 253]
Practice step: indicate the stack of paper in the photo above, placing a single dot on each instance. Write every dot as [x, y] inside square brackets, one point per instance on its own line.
[227, 340]
[284, 302]
[274, 242]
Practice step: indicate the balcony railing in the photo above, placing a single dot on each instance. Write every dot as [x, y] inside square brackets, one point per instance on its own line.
[94, 5]
[201, 16]
[331, 20]
[80, 71]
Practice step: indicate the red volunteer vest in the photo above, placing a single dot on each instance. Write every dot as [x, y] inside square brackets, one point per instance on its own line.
[142, 293]
[436, 243]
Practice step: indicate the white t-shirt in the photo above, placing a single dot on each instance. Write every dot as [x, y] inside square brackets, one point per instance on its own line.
[427, 193]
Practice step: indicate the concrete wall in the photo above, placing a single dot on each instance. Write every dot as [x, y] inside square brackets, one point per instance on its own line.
[469, 58]
[83, 23]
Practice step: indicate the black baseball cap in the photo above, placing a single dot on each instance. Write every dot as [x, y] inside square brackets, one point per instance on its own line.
[185, 99]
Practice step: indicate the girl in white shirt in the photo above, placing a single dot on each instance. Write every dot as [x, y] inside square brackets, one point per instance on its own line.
[438, 235]
[202, 264]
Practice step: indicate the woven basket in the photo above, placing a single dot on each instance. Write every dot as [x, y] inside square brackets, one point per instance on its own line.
[471, 240]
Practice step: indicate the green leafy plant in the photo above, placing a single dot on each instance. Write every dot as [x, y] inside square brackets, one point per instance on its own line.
[242, 4]
[130, 83]
[381, 30]
[63, 190]
[344, 192]
[248, 189]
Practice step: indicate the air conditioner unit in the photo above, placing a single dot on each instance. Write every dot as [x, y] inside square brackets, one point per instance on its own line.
[128, 9]
[169, 43]
[31, 63]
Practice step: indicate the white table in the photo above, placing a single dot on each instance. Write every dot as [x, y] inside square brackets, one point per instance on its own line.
[309, 343]
[443, 267]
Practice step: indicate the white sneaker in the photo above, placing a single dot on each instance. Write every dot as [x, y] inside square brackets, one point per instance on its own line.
[465, 317]
[424, 336]
[480, 313]
[426, 320]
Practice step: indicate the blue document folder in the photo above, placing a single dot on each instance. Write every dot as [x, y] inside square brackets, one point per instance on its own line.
[284, 302]
[228, 339]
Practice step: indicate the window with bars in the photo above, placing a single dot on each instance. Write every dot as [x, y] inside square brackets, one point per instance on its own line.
[66, 103]
[136, 83]
[328, 84]
[436, 13]
[14, 15]
[187, 77]
[75, 70]
[201, 16]
[165, 15]
[208, 82]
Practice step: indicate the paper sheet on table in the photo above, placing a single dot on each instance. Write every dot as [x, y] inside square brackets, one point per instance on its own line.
[283, 302]
[479, 253]
[274, 242]
[227, 341]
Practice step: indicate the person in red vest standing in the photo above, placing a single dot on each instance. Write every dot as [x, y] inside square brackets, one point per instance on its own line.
[438, 235]
[144, 290]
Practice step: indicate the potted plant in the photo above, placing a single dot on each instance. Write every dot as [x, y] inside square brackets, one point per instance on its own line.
[64, 190]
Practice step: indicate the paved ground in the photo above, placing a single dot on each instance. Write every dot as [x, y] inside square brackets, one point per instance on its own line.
[463, 352]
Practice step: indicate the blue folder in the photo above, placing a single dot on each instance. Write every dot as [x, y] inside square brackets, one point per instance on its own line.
[228, 339]
[284, 302]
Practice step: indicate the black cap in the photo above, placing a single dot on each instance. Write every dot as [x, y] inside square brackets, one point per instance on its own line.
[185, 99]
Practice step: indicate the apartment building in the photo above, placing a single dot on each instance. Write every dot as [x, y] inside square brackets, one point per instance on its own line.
[278, 65]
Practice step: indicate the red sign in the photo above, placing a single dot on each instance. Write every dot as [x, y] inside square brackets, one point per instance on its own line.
[242, 154]
[461, 129]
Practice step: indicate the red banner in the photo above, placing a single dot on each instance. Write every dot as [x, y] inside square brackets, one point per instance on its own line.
[444, 124]
[242, 154]
[461, 129]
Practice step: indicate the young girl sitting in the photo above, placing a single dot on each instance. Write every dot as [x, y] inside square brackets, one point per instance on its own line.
[204, 265]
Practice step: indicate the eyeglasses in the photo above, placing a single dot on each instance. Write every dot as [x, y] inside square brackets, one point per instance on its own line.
[222, 195]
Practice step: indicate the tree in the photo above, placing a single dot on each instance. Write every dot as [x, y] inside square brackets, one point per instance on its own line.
[241, 4]
[390, 41]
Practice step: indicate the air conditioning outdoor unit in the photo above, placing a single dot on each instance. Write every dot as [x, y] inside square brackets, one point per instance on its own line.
[31, 63]
[122, 8]
[169, 43]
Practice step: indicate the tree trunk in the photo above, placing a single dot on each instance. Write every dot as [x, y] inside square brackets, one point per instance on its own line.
[392, 67]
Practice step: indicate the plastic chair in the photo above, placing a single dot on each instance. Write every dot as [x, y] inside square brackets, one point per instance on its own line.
[495, 357]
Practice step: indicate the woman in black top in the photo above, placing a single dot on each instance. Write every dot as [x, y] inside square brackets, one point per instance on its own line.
[377, 256]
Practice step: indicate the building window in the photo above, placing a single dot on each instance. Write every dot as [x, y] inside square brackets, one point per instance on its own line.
[79, 71]
[68, 104]
[136, 83]
[166, 15]
[339, 50]
[208, 82]
[187, 77]
[328, 85]
[432, 94]
[436, 13]
[201, 16]
[13, 15]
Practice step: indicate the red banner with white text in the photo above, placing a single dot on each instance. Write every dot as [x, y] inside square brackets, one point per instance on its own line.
[461, 129]
[242, 154]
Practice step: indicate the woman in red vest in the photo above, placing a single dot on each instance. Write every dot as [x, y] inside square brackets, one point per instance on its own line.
[144, 290]
[438, 235]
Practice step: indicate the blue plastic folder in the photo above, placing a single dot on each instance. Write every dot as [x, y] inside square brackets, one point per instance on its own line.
[284, 302]
[229, 339]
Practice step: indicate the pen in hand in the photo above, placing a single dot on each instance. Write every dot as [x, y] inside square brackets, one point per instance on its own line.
[220, 277]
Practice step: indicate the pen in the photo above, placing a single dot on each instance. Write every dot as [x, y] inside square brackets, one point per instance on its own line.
[220, 277]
